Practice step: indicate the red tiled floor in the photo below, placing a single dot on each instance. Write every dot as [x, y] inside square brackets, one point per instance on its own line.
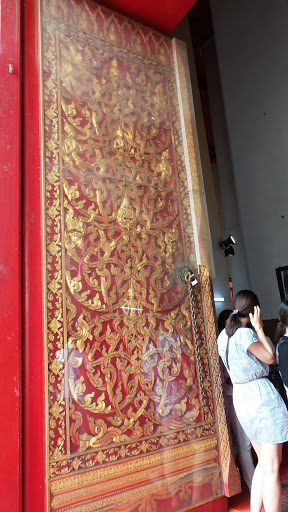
[240, 503]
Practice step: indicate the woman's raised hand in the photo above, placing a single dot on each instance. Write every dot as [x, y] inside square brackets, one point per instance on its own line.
[255, 318]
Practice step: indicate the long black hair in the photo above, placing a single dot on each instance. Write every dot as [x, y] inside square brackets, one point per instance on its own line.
[222, 318]
[245, 300]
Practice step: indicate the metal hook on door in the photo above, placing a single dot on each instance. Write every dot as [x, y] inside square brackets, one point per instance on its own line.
[187, 276]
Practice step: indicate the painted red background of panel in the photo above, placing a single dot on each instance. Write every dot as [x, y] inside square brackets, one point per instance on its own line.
[162, 15]
[10, 247]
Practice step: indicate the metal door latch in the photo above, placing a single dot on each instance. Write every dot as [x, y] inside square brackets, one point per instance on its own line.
[187, 276]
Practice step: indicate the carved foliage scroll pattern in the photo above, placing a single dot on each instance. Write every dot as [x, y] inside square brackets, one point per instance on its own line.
[57, 418]
[97, 21]
[138, 500]
[118, 228]
[118, 453]
[129, 333]
[227, 461]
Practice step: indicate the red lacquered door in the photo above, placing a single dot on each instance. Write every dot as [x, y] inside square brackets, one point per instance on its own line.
[123, 409]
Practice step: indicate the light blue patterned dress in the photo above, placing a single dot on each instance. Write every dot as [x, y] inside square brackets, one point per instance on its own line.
[258, 405]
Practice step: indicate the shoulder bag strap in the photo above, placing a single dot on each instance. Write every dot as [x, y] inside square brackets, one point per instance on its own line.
[227, 353]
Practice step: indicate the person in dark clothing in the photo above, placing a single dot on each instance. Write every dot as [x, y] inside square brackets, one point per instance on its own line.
[282, 346]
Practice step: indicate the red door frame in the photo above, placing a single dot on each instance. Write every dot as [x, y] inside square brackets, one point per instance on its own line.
[10, 255]
[34, 453]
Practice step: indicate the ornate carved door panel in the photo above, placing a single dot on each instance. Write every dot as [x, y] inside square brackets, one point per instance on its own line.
[132, 422]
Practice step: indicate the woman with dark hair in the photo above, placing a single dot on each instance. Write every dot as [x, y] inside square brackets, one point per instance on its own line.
[240, 442]
[260, 409]
[282, 346]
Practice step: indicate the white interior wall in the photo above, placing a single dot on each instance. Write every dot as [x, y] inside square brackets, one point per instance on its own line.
[218, 181]
[252, 45]
[223, 171]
